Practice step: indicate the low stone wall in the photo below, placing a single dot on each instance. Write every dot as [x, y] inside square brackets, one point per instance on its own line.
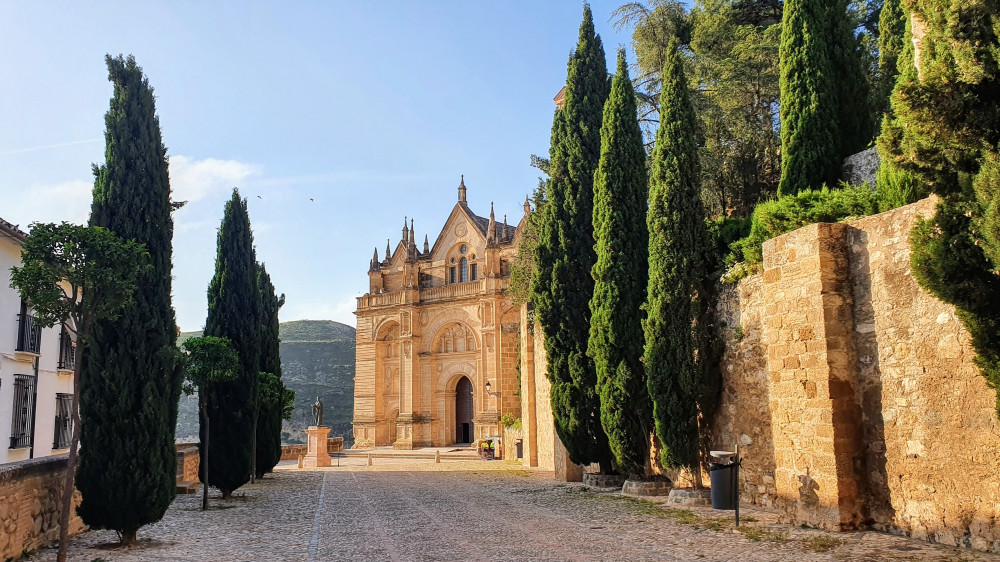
[292, 452]
[853, 393]
[188, 460]
[510, 438]
[30, 495]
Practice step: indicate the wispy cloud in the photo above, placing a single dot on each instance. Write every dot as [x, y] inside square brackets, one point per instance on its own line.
[192, 179]
[48, 146]
[66, 201]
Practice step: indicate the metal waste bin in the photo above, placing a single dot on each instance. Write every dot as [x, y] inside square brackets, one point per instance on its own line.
[519, 448]
[723, 489]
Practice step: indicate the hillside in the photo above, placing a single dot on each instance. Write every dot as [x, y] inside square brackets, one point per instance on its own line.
[317, 359]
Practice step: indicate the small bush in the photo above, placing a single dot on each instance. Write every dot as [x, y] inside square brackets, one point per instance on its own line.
[508, 420]
[895, 187]
[780, 216]
[723, 232]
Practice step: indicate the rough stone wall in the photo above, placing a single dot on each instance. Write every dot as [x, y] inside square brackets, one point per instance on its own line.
[861, 167]
[744, 413]
[931, 430]
[853, 392]
[30, 496]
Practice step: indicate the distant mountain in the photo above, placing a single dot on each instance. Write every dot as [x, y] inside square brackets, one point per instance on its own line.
[317, 359]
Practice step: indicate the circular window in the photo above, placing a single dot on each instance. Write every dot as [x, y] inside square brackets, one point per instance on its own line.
[463, 249]
[473, 256]
[452, 260]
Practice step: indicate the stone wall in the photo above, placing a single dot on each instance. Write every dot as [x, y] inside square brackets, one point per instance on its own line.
[30, 495]
[853, 392]
[292, 452]
[188, 460]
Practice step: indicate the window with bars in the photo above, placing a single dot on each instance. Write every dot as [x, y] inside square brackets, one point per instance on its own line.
[475, 272]
[463, 268]
[29, 334]
[24, 411]
[64, 421]
[67, 350]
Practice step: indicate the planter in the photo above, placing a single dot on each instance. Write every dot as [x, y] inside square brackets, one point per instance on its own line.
[603, 480]
[690, 497]
[647, 487]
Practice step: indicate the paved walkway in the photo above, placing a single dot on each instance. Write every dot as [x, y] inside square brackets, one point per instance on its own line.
[468, 510]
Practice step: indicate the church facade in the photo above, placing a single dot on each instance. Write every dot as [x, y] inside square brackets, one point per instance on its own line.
[437, 337]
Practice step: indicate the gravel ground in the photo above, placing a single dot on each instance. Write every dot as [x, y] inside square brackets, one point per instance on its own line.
[469, 511]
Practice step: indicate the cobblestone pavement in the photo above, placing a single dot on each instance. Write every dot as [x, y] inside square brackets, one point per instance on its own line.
[470, 511]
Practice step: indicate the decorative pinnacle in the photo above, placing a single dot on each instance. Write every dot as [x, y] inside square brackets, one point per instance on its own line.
[461, 190]
[527, 205]
[427, 247]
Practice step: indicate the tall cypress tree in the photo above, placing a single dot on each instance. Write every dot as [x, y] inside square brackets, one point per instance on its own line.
[269, 417]
[945, 128]
[131, 378]
[565, 253]
[891, 28]
[234, 312]
[620, 277]
[678, 248]
[825, 111]
[808, 118]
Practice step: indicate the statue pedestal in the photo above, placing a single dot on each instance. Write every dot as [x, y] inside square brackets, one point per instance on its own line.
[316, 454]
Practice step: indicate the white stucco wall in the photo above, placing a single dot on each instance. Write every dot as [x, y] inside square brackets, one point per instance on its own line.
[50, 381]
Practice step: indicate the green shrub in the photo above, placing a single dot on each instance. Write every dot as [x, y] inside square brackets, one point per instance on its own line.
[724, 231]
[895, 187]
[508, 420]
[785, 214]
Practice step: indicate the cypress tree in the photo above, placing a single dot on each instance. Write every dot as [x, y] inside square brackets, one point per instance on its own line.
[891, 28]
[808, 121]
[234, 313]
[854, 117]
[565, 253]
[825, 112]
[269, 417]
[620, 277]
[945, 129]
[678, 250]
[131, 376]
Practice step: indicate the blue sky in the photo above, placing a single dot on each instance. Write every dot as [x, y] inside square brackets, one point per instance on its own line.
[372, 110]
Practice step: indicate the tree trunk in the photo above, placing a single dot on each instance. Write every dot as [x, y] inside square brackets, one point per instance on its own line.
[253, 444]
[227, 494]
[128, 538]
[203, 406]
[68, 488]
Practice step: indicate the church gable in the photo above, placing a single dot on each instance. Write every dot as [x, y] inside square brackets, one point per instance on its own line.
[461, 226]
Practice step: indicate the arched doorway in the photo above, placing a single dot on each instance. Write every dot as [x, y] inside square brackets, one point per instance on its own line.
[463, 411]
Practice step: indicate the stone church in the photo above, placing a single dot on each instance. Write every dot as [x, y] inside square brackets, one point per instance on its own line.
[437, 338]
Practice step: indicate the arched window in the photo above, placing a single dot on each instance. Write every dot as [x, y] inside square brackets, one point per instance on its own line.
[463, 267]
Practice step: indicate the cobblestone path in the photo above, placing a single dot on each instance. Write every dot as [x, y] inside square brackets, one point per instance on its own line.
[470, 511]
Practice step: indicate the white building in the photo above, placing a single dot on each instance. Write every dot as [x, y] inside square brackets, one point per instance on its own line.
[36, 370]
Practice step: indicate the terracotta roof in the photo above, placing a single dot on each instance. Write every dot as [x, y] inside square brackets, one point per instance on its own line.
[12, 231]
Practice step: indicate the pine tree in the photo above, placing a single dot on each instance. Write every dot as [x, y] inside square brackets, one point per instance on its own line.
[234, 313]
[620, 277]
[825, 113]
[131, 376]
[678, 248]
[565, 253]
[269, 418]
[945, 129]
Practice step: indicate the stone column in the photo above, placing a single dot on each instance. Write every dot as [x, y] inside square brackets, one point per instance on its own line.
[316, 452]
[816, 416]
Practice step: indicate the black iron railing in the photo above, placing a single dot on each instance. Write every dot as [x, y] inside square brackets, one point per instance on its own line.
[67, 351]
[64, 421]
[24, 411]
[29, 334]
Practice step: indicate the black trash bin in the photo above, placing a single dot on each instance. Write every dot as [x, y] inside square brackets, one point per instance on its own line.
[519, 448]
[723, 490]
